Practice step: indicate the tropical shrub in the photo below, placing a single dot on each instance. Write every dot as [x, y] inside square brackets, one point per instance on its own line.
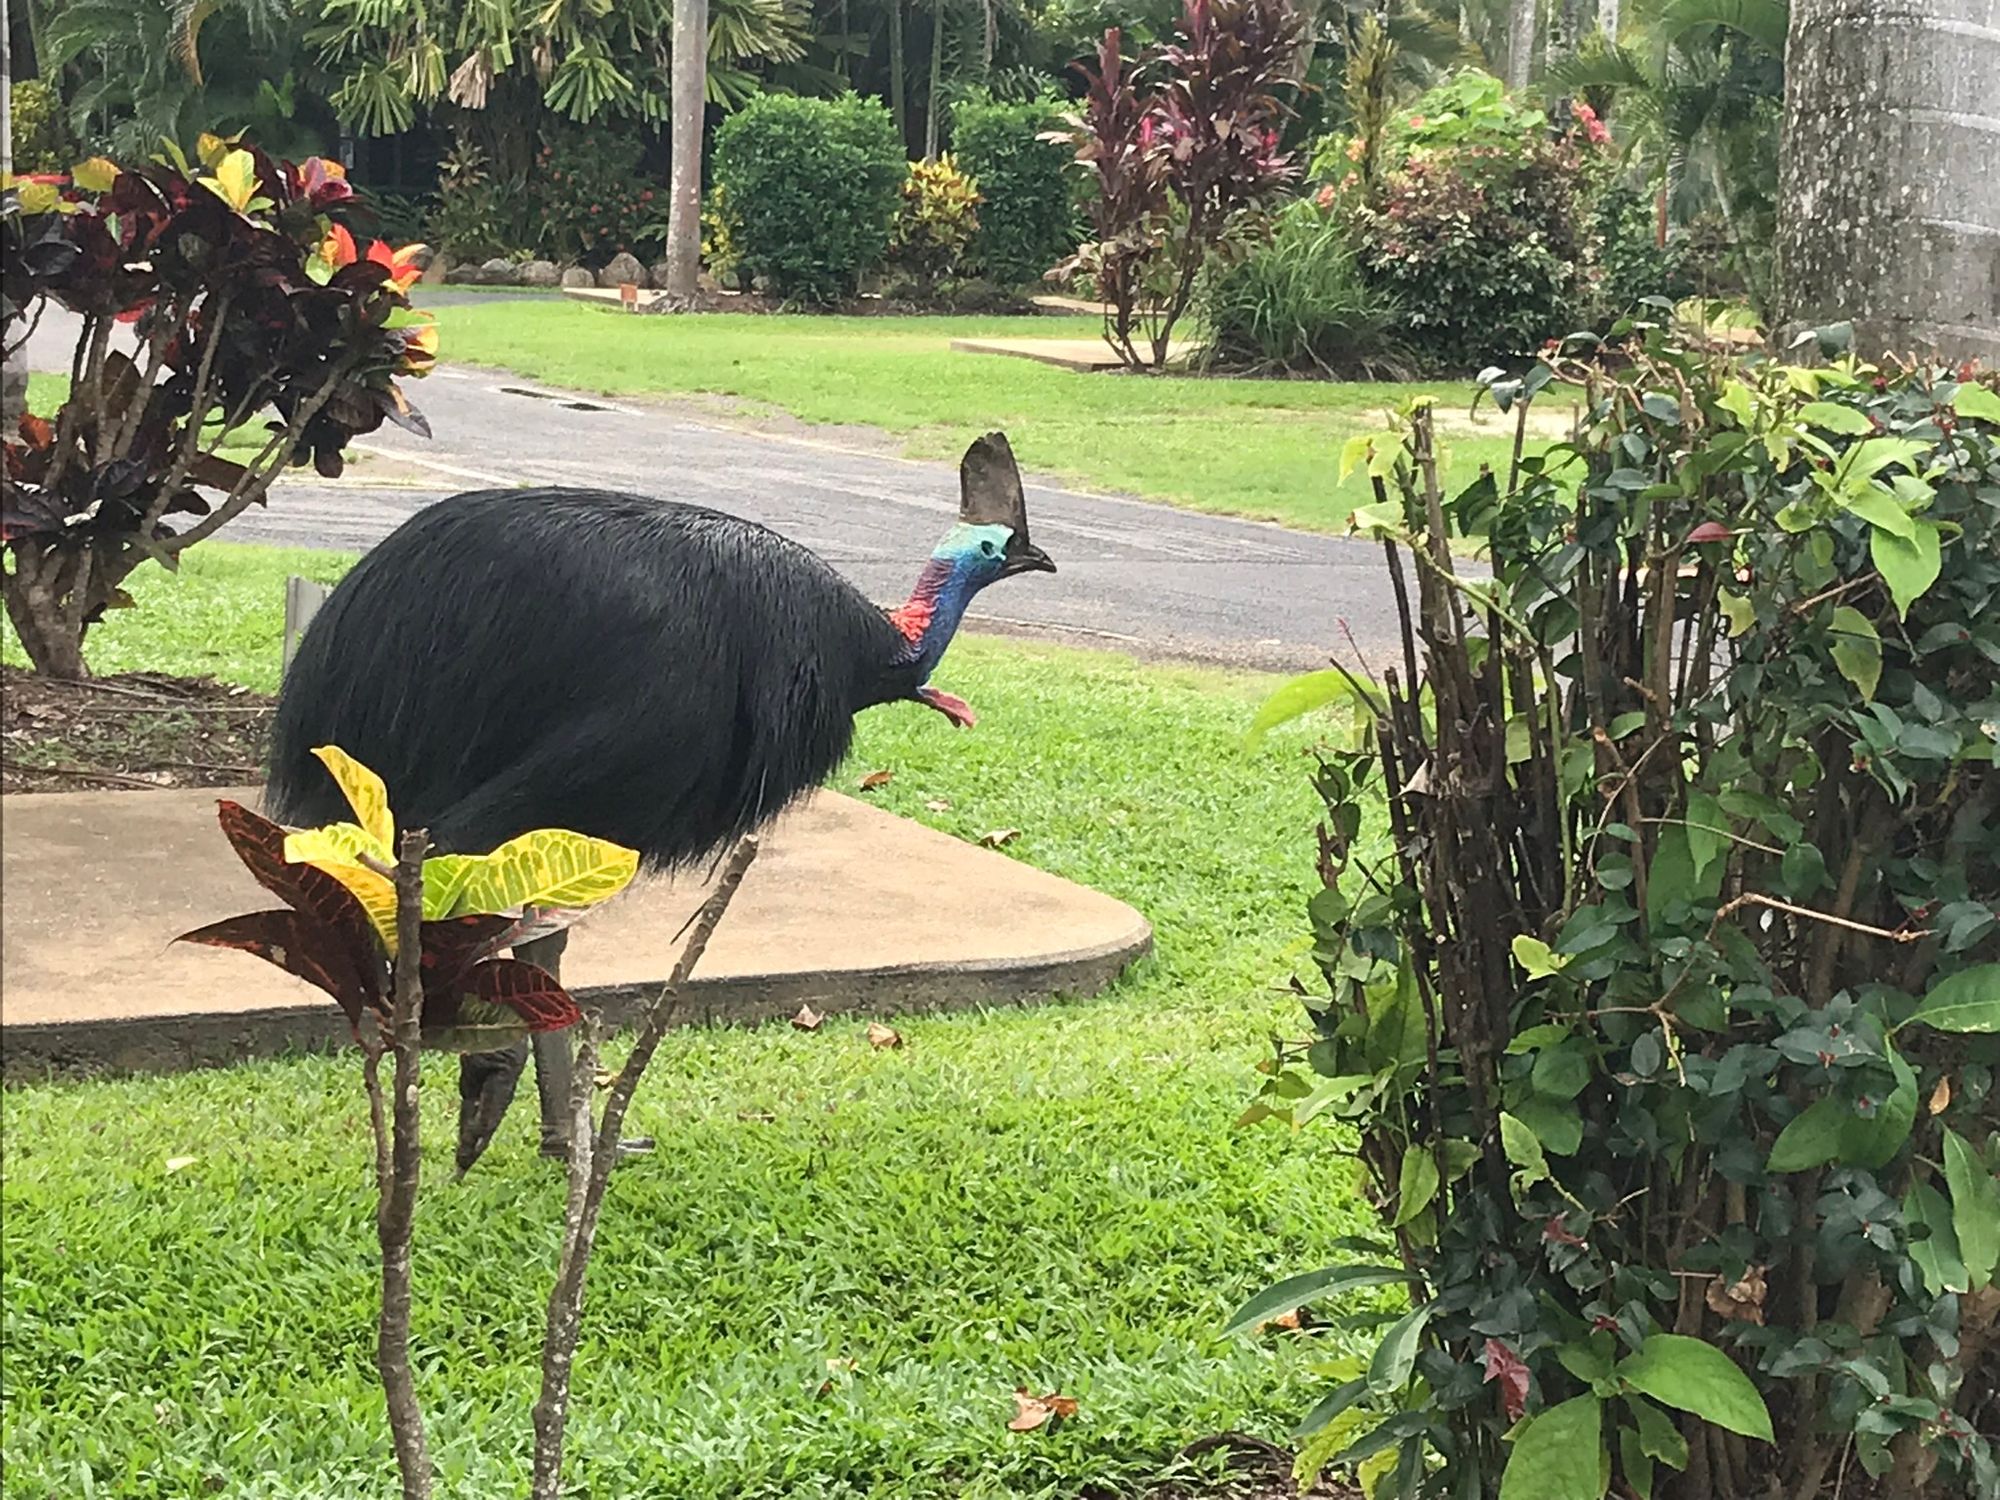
[1667, 1020]
[42, 138]
[935, 222]
[1031, 221]
[1180, 164]
[591, 201]
[812, 186]
[1635, 264]
[473, 220]
[248, 303]
[1479, 229]
[1298, 303]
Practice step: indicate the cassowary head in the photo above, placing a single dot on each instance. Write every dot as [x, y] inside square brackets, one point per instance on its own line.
[989, 542]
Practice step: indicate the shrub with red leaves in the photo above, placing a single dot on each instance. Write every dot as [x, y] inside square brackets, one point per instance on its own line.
[1178, 164]
[239, 299]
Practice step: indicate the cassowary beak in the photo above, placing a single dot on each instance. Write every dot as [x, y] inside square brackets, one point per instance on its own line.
[1025, 557]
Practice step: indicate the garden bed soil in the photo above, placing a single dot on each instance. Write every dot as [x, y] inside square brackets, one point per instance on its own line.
[138, 731]
[1257, 1470]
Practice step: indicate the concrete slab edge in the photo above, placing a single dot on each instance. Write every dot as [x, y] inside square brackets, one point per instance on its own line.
[180, 1043]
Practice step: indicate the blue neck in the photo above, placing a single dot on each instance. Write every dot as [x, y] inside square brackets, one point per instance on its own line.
[937, 605]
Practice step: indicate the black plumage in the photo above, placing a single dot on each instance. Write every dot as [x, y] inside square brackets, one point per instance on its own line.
[657, 674]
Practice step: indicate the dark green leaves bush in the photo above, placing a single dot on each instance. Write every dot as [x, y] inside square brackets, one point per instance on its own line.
[812, 187]
[1479, 232]
[1028, 221]
[1298, 303]
[593, 201]
[1669, 1024]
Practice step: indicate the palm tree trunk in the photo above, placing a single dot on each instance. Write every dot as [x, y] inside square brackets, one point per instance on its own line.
[896, 72]
[936, 98]
[690, 93]
[1521, 18]
[1607, 19]
[1888, 207]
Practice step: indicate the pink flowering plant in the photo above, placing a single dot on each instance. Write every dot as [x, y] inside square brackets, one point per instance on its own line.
[1182, 148]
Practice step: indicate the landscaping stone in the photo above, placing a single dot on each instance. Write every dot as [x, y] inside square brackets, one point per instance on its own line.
[540, 273]
[660, 273]
[467, 274]
[577, 276]
[500, 271]
[621, 268]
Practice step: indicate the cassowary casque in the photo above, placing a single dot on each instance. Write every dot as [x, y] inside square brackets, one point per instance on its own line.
[657, 674]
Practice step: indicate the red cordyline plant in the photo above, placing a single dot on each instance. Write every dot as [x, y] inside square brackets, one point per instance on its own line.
[243, 300]
[1179, 163]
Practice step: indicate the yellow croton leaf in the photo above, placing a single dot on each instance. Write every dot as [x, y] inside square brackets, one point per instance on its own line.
[235, 179]
[211, 148]
[95, 175]
[548, 867]
[365, 793]
[37, 197]
[337, 850]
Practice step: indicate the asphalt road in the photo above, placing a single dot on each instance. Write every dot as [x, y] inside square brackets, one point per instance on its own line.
[1134, 575]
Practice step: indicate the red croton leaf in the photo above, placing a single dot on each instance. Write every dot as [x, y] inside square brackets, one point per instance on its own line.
[531, 993]
[260, 844]
[1504, 1365]
[1709, 531]
[455, 944]
[303, 947]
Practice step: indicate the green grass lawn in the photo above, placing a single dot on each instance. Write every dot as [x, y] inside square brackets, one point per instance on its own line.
[1268, 449]
[1051, 1197]
[46, 394]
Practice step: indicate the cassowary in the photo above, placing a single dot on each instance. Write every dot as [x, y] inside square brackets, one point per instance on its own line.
[653, 673]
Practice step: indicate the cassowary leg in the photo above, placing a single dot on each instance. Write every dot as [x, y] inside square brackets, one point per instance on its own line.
[486, 1083]
[555, 1062]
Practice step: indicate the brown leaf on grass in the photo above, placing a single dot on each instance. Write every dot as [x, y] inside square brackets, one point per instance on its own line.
[938, 804]
[999, 836]
[883, 1036]
[1285, 1320]
[1741, 1303]
[807, 1019]
[1032, 1411]
[1941, 1095]
[876, 778]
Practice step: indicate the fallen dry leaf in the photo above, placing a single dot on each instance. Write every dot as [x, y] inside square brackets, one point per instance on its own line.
[807, 1019]
[1941, 1095]
[1032, 1411]
[836, 1364]
[999, 836]
[876, 778]
[605, 1078]
[883, 1036]
[1286, 1319]
[175, 1163]
[938, 804]
[1741, 1303]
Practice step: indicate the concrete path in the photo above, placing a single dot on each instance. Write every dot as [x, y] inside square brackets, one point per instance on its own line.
[1135, 575]
[848, 908]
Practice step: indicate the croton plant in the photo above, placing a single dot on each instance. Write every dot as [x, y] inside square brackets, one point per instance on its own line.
[241, 298]
[337, 928]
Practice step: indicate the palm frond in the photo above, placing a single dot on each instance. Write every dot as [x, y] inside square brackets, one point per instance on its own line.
[1763, 21]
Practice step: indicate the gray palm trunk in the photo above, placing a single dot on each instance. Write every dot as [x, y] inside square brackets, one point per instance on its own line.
[1889, 204]
[1607, 19]
[1521, 18]
[690, 91]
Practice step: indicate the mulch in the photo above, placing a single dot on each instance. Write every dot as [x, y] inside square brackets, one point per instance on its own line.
[138, 731]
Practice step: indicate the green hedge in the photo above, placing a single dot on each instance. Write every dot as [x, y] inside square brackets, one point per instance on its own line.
[1027, 217]
[812, 187]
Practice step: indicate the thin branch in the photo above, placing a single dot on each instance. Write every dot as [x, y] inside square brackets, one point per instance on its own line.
[591, 1160]
[403, 1155]
[1751, 898]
